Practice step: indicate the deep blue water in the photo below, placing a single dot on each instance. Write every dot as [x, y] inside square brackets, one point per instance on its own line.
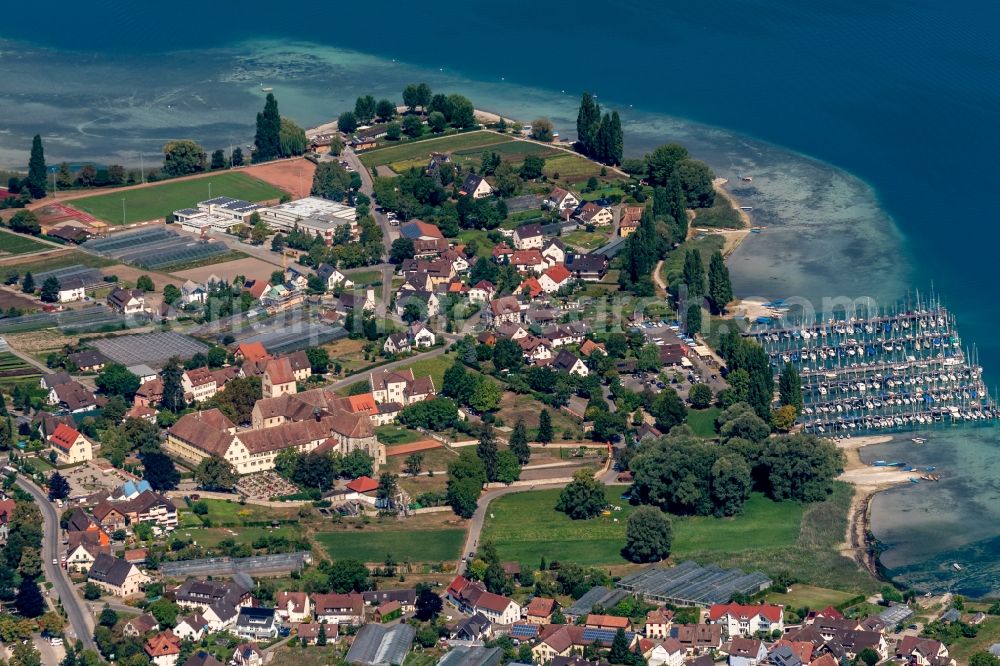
[903, 94]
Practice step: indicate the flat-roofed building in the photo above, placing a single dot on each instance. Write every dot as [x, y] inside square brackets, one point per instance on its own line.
[312, 215]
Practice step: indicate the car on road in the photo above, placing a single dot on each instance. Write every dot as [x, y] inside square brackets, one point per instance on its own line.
[55, 562]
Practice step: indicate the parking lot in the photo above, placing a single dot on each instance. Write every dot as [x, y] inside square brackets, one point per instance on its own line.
[699, 365]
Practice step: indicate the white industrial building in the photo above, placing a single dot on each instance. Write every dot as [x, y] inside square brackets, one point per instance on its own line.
[312, 215]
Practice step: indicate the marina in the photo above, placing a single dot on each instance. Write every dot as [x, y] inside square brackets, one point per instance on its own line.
[894, 370]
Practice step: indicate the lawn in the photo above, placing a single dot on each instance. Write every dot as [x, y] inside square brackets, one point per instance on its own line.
[988, 634]
[702, 421]
[391, 435]
[210, 537]
[514, 407]
[158, 201]
[402, 542]
[526, 527]
[705, 243]
[421, 150]
[365, 278]
[223, 513]
[434, 366]
[11, 244]
[477, 238]
[809, 596]
[585, 240]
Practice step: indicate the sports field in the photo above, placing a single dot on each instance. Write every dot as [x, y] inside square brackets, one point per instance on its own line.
[157, 201]
[11, 244]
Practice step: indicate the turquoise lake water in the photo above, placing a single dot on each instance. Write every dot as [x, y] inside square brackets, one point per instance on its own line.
[868, 127]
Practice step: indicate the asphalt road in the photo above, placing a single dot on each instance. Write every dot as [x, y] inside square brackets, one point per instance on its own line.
[79, 617]
[368, 187]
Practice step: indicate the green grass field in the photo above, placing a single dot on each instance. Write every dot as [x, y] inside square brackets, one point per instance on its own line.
[585, 240]
[12, 244]
[66, 258]
[434, 366]
[221, 512]
[526, 527]
[477, 237]
[158, 201]
[706, 244]
[702, 421]
[371, 545]
[572, 168]
[391, 435]
[809, 596]
[411, 151]
[213, 536]
[721, 215]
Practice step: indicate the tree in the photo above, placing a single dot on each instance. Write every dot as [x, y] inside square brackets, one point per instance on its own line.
[236, 158]
[50, 290]
[696, 181]
[692, 321]
[694, 275]
[413, 463]
[508, 468]
[218, 159]
[357, 463]
[720, 288]
[428, 603]
[518, 442]
[321, 634]
[115, 379]
[319, 360]
[145, 283]
[183, 157]
[25, 222]
[29, 599]
[58, 486]
[215, 473]
[411, 98]
[544, 427]
[542, 130]
[783, 418]
[790, 388]
[91, 591]
[385, 109]
[330, 181]
[660, 163]
[801, 467]
[463, 114]
[700, 396]
[871, 657]
[170, 294]
[393, 131]
[619, 654]
[616, 148]
[347, 123]
[486, 449]
[486, 396]
[981, 659]
[437, 122]
[588, 122]
[24, 653]
[463, 496]
[165, 611]
[388, 485]
[584, 497]
[159, 470]
[507, 355]
[348, 576]
[291, 139]
[267, 139]
[668, 409]
[108, 617]
[731, 484]
[37, 180]
[28, 284]
[648, 535]
[413, 126]
[365, 108]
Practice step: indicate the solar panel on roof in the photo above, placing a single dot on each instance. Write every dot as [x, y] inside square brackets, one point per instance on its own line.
[603, 635]
[524, 630]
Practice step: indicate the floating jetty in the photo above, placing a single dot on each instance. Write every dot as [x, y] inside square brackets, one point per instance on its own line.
[898, 369]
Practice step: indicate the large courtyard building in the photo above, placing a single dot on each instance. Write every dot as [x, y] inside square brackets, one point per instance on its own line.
[311, 215]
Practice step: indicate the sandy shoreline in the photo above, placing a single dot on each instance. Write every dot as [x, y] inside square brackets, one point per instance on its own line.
[867, 481]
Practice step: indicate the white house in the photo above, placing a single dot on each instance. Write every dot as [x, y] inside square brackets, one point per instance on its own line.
[127, 301]
[554, 279]
[70, 445]
[746, 652]
[560, 199]
[669, 652]
[568, 362]
[339, 608]
[747, 620]
[293, 606]
[71, 289]
[554, 252]
[481, 292]
[397, 343]
[476, 187]
[191, 627]
[529, 237]
[421, 336]
[332, 278]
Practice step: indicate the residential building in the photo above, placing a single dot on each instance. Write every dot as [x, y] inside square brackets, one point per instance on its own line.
[472, 597]
[474, 628]
[698, 638]
[140, 625]
[528, 237]
[293, 606]
[481, 292]
[83, 548]
[89, 360]
[560, 199]
[539, 610]
[116, 576]
[609, 622]
[72, 397]
[127, 301]
[628, 221]
[503, 310]
[528, 261]
[400, 386]
[419, 230]
[256, 623]
[554, 279]
[193, 292]
[407, 598]
[742, 620]
[397, 343]
[332, 278]
[247, 654]
[554, 252]
[918, 651]
[421, 336]
[70, 445]
[72, 289]
[666, 652]
[476, 187]
[191, 627]
[110, 517]
[339, 608]
[278, 379]
[150, 507]
[163, 649]
[427, 303]
[199, 384]
[746, 652]
[202, 659]
[658, 623]
[566, 361]
[593, 214]
[587, 267]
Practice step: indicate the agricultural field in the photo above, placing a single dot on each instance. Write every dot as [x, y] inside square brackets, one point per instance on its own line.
[419, 151]
[404, 541]
[157, 201]
[14, 370]
[59, 259]
[12, 244]
[809, 596]
[526, 527]
[570, 169]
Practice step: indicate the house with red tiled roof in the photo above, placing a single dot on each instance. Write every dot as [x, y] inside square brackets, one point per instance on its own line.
[481, 292]
[199, 384]
[613, 622]
[471, 597]
[293, 606]
[70, 445]
[250, 351]
[918, 651]
[666, 652]
[589, 347]
[278, 379]
[658, 622]
[163, 648]
[339, 609]
[539, 610]
[554, 279]
[530, 288]
[744, 620]
[528, 261]
[363, 484]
